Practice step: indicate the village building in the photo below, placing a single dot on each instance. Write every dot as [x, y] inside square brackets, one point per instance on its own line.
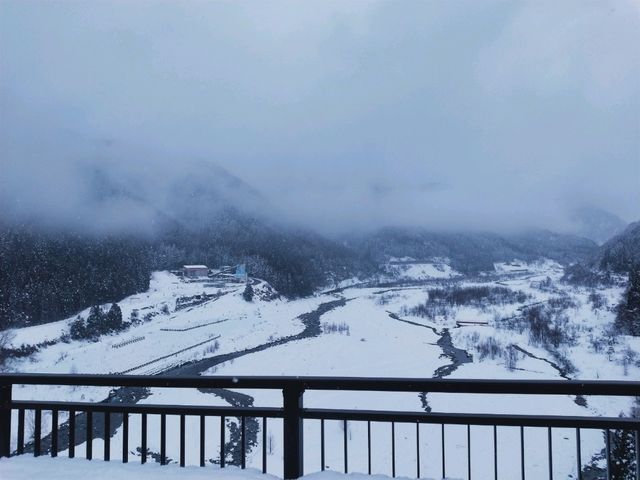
[195, 271]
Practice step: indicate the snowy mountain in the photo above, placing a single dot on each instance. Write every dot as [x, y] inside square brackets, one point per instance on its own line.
[622, 252]
[596, 224]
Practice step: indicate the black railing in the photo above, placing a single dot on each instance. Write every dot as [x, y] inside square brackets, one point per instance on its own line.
[293, 415]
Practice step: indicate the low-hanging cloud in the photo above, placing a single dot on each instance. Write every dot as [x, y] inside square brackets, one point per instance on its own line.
[344, 115]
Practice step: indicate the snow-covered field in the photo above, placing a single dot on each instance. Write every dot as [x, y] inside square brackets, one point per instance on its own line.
[375, 332]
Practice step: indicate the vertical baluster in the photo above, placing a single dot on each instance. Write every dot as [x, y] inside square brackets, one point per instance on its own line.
[243, 446]
[369, 447]
[578, 454]
[202, 439]
[293, 430]
[322, 444]
[637, 454]
[495, 452]
[107, 436]
[222, 453]
[5, 419]
[143, 440]
[125, 437]
[20, 431]
[444, 469]
[163, 439]
[469, 452]
[608, 448]
[522, 452]
[264, 444]
[54, 433]
[182, 433]
[344, 444]
[36, 433]
[417, 450]
[89, 428]
[72, 433]
[550, 442]
[393, 449]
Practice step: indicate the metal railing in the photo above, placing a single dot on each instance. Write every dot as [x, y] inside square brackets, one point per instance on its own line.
[293, 415]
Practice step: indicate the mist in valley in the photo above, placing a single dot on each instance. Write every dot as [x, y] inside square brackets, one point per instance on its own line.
[333, 117]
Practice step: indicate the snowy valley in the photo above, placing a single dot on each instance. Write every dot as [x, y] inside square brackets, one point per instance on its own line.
[416, 319]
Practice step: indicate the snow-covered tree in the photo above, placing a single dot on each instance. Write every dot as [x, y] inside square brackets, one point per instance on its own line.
[248, 293]
[96, 321]
[623, 454]
[113, 319]
[78, 329]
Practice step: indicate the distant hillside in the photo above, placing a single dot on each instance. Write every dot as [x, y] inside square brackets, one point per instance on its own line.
[596, 224]
[205, 215]
[562, 248]
[294, 261]
[621, 252]
[472, 252]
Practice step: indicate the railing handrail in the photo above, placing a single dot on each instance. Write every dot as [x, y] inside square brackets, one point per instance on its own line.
[560, 421]
[391, 384]
[149, 408]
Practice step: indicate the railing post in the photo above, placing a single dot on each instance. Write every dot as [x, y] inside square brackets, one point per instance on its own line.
[5, 420]
[293, 435]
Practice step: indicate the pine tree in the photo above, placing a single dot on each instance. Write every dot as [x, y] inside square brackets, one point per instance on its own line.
[95, 322]
[78, 329]
[628, 318]
[113, 318]
[248, 293]
[623, 454]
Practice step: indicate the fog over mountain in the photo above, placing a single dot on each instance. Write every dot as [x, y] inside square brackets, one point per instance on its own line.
[337, 115]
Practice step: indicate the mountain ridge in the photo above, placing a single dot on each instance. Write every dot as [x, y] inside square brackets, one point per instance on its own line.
[197, 220]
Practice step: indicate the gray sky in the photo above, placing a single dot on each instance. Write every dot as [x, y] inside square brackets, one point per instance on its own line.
[345, 114]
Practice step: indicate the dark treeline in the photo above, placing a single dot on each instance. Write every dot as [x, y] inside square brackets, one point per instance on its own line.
[440, 301]
[48, 276]
[295, 262]
[476, 295]
[472, 252]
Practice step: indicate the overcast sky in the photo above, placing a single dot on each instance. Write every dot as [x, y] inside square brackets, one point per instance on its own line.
[479, 113]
